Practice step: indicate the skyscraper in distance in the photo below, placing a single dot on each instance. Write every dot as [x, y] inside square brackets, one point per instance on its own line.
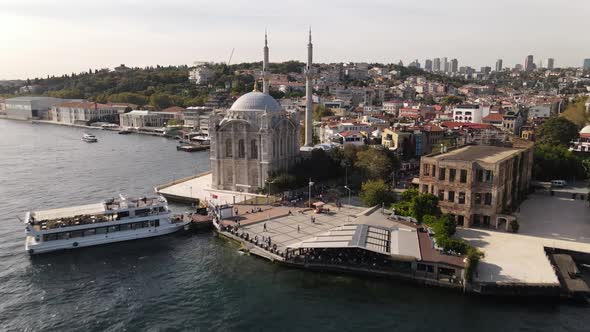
[550, 63]
[529, 64]
[499, 65]
[428, 65]
[445, 65]
[436, 64]
[454, 66]
[586, 64]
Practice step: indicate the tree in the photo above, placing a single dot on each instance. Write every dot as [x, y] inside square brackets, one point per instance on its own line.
[556, 131]
[375, 192]
[425, 204]
[556, 162]
[576, 113]
[320, 111]
[375, 163]
[160, 100]
[452, 100]
[128, 98]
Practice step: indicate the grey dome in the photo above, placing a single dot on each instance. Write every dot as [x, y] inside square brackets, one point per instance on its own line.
[256, 100]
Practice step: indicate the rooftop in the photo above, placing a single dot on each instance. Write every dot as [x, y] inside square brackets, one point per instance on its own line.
[481, 153]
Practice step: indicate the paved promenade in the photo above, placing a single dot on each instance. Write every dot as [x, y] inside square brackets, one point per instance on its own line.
[545, 221]
[283, 229]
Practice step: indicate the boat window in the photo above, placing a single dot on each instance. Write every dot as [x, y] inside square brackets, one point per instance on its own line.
[142, 212]
[63, 236]
[101, 230]
[152, 223]
[145, 224]
[90, 232]
[136, 225]
[157, 223]
[162, 209]
[113, 229]
[123, 214]
[125, 227]
[49, 237]
[74, 234]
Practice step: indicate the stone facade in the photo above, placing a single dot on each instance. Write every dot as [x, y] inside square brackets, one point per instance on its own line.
[250, 141]
[478, 184]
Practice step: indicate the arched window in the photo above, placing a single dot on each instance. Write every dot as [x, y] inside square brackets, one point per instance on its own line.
[281, 147]
[241, 149]
[253, 149]
[228, 148]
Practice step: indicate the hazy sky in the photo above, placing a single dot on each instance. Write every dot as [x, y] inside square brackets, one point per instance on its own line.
[40, 37]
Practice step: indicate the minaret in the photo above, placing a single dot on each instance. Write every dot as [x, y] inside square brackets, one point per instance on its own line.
[265, 66]
[309, 94]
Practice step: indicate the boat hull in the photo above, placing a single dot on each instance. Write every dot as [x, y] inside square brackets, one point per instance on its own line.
[34, 248]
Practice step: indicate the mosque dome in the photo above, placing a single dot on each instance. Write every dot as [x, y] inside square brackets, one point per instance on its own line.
[256, 100]
[585, 131]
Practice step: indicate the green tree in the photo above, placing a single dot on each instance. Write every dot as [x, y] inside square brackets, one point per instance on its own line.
[128, 98]
[161, 100]
[375, 163]
[576, 113]
[320, 111]
[556, 131]
[375, 192]
[452, 100]
[425, 204]
[556, 162]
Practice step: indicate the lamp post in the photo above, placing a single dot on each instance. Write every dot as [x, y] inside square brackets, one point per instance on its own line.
[268, 196]
[349, 193]
[345, 164]
[310, 184]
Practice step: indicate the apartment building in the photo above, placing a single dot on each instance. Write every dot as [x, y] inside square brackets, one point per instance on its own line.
[478, 185]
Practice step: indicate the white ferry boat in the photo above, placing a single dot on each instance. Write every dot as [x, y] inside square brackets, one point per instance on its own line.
[113, 220]
[89, 138]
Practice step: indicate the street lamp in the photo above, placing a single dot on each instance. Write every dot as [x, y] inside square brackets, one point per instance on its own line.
[268, 196]
[349, 193]
[345, 164]
[310, 184]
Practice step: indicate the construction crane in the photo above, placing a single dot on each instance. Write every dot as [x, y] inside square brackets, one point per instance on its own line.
[230, 56]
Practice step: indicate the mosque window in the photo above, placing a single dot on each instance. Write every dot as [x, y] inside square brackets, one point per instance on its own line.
[253, 149]
[241, 149]
[228, 148]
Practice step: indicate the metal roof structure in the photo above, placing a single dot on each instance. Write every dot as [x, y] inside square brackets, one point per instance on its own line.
[388, 241]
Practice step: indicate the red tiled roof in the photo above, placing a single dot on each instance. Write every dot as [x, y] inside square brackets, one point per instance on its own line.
[430, 254]
[347, 133]
[453, 124]
[493, 117]
[83, 104]
[174, 109]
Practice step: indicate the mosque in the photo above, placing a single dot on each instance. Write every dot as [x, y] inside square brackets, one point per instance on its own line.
[256, 137]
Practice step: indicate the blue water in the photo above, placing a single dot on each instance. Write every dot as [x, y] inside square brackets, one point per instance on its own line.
[190, 282]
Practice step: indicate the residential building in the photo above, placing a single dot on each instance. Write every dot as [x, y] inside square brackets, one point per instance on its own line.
[445, 65]
[406, 144]
[198, 118]
[499, 65]
[82, 113]
[468, 113]
[454, 65]
[477, 184]
[539, 112]
[513, 121]
[428, 65]
[201, 74]
[529, 63]
[146, 119]
[436, 64]
[30, 108]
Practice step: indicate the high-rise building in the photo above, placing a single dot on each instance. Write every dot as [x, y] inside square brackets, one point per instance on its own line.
[550, 63]
[445, 65]
[486, 70]
[436, 64]
[454, 66]
[529, 64]
[587, 64]
[428, 65]
[499, 65]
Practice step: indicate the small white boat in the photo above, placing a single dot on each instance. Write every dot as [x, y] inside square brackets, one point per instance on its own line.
[88, 138]
[113, 220]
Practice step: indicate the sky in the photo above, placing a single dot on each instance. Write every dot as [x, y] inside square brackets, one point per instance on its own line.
[53, 37]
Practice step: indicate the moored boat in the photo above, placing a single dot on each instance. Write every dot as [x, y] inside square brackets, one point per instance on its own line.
[113, 220]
